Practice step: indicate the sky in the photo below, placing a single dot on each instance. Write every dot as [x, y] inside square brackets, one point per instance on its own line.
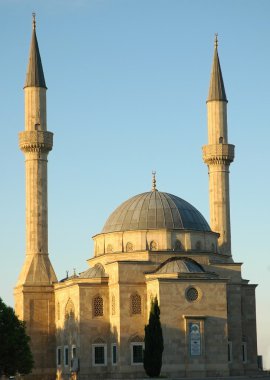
[127, 85]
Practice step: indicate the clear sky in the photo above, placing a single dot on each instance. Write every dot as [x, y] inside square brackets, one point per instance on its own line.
[127, 84]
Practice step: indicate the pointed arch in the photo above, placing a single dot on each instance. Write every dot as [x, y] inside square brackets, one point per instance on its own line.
[69, 309]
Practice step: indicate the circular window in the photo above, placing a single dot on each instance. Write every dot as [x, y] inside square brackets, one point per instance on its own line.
[192, 294]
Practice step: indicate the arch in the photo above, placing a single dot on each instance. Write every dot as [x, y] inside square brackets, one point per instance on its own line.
[99, 340]
[129, 247]
[221, 140]
[135, 304]
[136, 338]
[98, 306]
[153, 245]
[198, 245]
[178, 245]
[69, 309]
[109, 248]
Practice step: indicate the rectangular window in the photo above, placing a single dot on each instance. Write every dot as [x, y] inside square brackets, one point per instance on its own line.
[99, 354]
[66, 359]
[137, 353]
[230, 352]
[74, 360]
[114, 354]
[73, 352]
[195, 338]
[244, 352]
[58, 356]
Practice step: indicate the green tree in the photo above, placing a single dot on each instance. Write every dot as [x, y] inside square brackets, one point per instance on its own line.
[15, 353]
[153, 341]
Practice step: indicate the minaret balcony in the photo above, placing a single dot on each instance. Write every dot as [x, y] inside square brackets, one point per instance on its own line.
[218, 153]
[36, 141]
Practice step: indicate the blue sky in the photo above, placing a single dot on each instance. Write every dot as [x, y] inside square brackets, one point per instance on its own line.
[127, 84]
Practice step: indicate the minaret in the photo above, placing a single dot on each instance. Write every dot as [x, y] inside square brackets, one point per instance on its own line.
[34, 292]
[218, 155]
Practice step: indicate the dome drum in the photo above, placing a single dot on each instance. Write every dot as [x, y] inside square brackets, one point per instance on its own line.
[155, 240]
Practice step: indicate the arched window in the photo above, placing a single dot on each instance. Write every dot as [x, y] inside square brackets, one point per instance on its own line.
[221, 140]
[135, 304]
[113, 304]
[129, 247]
[198, 246]
[97, 306]
[109, 248]
[69, 309]
[177, 245]
[153, 245]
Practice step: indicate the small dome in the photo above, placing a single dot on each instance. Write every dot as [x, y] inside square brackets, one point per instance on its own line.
[96, 271]
[155, 210]
[180, 265]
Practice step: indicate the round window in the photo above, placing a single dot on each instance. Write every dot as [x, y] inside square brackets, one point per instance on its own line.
[192, 294]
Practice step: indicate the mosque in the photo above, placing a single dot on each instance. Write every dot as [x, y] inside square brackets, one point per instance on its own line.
[155, 244]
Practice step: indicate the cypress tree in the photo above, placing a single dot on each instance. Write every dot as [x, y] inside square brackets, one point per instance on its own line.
[153, 341]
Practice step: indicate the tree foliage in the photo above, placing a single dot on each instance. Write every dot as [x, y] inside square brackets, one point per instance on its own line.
[153, 341]
[15, 353]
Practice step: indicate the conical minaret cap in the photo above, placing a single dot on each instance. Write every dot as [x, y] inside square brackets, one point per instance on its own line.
[35, 75]
[216, 89]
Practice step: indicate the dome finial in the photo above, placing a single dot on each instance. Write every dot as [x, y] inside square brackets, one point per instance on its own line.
[34, 20]
[154, 188]
[216, 40]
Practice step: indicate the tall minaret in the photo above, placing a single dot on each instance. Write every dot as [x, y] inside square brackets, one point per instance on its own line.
[218, 155]
[34, 292]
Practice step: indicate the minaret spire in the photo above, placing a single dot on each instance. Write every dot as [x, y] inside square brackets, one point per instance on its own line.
[216, 88]
[34, 20]
[218, 155]
[35, 75]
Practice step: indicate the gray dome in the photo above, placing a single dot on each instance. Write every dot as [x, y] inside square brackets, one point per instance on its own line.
[155, 210]
[95, 272]
[179, 265]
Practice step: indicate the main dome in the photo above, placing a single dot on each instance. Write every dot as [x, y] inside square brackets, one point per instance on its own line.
[155, 210]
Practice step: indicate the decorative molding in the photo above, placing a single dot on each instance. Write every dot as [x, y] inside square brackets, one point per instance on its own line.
[218, 154]
[36, 141]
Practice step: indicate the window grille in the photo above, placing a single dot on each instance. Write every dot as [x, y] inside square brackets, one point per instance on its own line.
[135, 304]
[98, 306]
[192, 294]
[129, 247]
